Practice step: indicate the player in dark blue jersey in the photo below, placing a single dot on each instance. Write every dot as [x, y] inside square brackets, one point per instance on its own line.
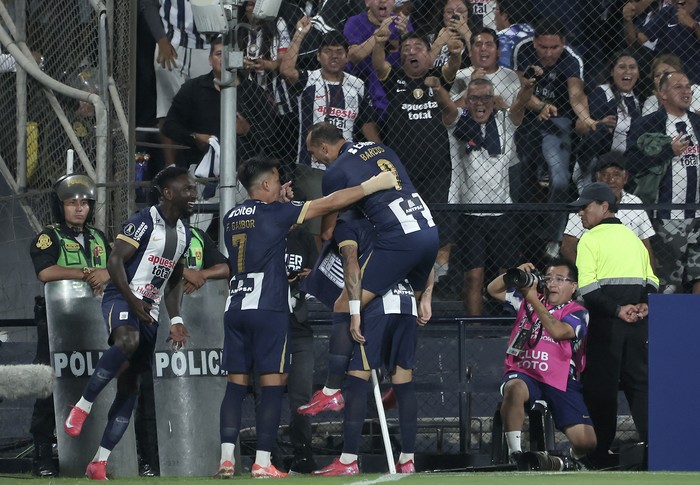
[148, 253]
[407, 238]
[256, 320]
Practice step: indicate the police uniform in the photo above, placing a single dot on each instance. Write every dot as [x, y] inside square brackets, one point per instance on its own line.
[614, 271]
[58, 245]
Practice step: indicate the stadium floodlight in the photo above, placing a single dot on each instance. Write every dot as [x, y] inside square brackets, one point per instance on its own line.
[266, 9]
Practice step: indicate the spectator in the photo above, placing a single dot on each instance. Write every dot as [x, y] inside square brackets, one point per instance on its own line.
[675, 27]
[455, 25]
[484, 64]
[615, 277]
[557, 330]
[611, 170]
[615, 104]
[558, 101]
[635, 14]
[181, 55]
[513, 26]
[360, 31]
[195, 116]
[661, 65]
[677, 164]
[68, 249]
[327, 94]
[488, 135]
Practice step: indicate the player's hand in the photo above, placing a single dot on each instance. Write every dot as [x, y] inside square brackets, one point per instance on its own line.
[167, 56]
[425, 311]
[355, 322]
[142, 310]
[97, 278]
[303, 26]
[286, 192]
[432, 82]
[194, 280]
[178, 336]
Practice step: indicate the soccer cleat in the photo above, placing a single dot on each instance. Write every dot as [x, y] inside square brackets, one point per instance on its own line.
[97, 470]
[266, 472]
[389, 400]
[322, 402]
[74, 422]
[407, 467]
[337, 469]
[225, 470]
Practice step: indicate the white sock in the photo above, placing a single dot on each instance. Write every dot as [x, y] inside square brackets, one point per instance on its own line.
[328, 391]
[102, 454]
[347, 458]
[513, 440]
[262, 458]
[227, 452]
[405, 458]
[84, 405]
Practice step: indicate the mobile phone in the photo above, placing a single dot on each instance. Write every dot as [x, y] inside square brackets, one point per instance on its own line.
[530, 73]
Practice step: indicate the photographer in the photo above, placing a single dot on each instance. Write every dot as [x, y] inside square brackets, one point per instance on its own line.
[545, 356]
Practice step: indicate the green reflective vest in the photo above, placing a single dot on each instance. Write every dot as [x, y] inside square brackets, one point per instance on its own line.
[195, 253]
[72, 254]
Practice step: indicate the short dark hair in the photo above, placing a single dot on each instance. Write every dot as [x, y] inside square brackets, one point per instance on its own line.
[573, 270]
[518, 11]
[549, 26]
[324, 132]
[219, 40]
[415, 35]
[333, 38]
[252, 169]
[163, 179]
[485, 30]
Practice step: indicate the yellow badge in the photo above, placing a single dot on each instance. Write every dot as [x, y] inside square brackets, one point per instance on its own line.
[417, 93]
[198, 254]
[44, 242]
[71, 246]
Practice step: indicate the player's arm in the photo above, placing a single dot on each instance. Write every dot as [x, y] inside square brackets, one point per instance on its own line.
[173, 296]
[353, 286]
[122, 252]
[425, 306]
[344, 197]
[448, 109]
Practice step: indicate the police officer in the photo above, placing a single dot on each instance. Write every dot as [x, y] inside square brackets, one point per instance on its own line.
[68, 249]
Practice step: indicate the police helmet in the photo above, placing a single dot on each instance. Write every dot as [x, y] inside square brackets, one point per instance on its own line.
[72, 186]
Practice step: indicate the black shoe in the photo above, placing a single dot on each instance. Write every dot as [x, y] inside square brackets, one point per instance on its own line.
[43, 464]
[302, 466]
[146, 470]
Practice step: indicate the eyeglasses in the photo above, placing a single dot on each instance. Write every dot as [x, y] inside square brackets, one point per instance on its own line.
[559, 279]
[480, 99]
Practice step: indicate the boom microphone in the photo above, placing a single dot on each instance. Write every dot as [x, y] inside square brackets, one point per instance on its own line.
[30, 380]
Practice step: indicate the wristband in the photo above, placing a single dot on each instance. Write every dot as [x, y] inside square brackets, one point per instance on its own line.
[176, 320]
[354, 307]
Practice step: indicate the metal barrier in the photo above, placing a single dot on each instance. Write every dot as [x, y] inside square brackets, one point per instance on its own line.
[77, 339]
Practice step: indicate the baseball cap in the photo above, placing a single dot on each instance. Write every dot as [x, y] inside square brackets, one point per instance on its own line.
[612, 159]
[595, 192]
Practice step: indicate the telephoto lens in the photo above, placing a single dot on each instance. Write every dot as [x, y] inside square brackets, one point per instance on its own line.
[517, 278]
[540, 461]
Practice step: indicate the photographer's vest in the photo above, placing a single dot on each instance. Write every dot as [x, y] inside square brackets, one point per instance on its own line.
[72, 254]
[547, 360]
[195, 253]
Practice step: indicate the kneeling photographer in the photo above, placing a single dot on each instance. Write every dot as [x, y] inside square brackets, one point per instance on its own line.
[545, 357]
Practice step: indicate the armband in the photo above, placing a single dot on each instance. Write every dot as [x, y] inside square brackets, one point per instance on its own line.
[354, 307]
[176, 320]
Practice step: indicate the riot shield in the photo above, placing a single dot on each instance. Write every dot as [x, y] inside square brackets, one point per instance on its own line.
[77, 339]
[189, 386]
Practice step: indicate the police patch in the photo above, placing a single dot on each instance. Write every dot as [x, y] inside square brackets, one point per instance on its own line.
[44, 241]
[129, 229]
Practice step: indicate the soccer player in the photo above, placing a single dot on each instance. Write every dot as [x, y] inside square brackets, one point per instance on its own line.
[147, 254]
[256, 320]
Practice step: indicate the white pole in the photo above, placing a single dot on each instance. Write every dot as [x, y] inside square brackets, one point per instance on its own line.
[69, 161]
[382, 423]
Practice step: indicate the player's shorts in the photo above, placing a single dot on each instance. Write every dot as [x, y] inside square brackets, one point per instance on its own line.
[413, 259]
[567, 408]
[190, 64]
[487, 239]
[256, 337]
[389, 340]
[117, 313]
[307, 182]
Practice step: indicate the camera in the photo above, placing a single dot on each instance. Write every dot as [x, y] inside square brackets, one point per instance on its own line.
[531, 74]
[517, 278]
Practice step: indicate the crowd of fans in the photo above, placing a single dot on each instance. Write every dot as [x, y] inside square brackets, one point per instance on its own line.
[373, 67]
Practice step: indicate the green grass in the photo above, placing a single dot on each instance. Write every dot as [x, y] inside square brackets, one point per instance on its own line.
[511, 478]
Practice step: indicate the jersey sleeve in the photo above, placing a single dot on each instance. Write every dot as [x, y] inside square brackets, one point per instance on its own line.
[333, 180]
[578, 319]
[136, 229]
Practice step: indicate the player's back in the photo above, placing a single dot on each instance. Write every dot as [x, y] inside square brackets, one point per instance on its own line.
[395, 212]
[255, 237]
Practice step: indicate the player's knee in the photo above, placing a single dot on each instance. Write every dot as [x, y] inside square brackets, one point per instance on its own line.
[360, 374]
[584, 442]
[127, 340]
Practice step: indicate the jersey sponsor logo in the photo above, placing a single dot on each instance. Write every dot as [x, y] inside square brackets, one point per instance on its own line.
[190, 363]
[157, 260]
[420, 111]
[412, 205]
[129, 229]
[359, 146]
[44, 242]
[349, 114]
[75, 364]
[140, 231]
[149, 291]
[243, 210]
[297, 203]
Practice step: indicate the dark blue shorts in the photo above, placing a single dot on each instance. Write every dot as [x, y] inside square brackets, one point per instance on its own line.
[117, 313]
[411, 257]
[567, 408]
[256, 337]
[389, 340]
